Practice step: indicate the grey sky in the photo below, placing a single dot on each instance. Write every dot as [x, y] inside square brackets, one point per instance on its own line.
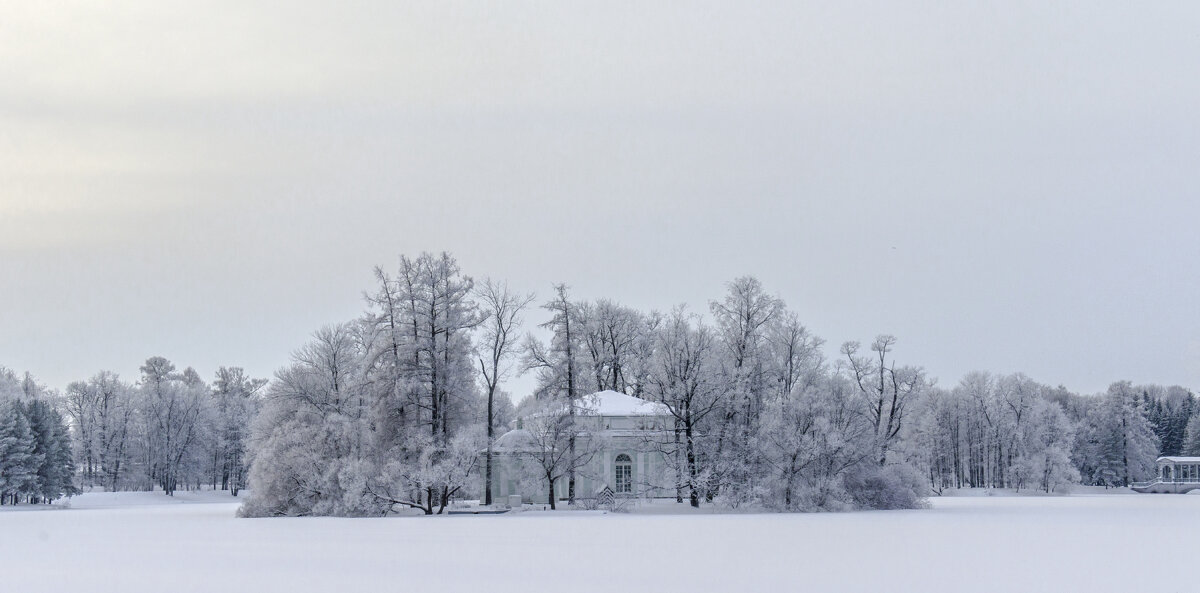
[1009, 187]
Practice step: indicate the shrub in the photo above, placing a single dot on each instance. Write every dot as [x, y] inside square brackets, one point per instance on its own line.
[886, 488]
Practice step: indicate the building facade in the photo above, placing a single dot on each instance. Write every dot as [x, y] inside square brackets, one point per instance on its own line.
[619, 445]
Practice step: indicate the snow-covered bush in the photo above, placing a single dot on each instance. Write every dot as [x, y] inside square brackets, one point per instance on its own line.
[888, 487]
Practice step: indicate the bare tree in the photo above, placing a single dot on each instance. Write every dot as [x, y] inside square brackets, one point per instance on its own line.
[886, 391]
[556, 446]
[501, 314]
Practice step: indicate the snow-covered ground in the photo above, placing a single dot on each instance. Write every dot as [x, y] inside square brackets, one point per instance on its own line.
[148, 542]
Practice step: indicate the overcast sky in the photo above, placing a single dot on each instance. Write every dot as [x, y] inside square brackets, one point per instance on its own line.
[1009, 187]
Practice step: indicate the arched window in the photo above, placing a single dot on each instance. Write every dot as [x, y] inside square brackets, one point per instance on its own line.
[624, 475]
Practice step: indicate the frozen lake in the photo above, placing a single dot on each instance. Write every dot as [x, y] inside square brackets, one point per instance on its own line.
[134, 542]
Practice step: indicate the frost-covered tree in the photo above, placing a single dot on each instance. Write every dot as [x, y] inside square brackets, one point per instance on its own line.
[685, 377]
[1126, 446]
[444, 316]
[172, 405]
[440, 471]
[1043, 458]
[386, 405]
[235, 401]
[419, 350]
[10, 385]
[310, 429]
[795, 354]
[436, 375]
[102, 411]
[611, 335]
[558, 364]
[811, 440]
[934, 438]
[743, 320]
[80, 403]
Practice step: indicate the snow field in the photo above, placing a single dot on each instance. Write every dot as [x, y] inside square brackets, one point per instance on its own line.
[139, 542]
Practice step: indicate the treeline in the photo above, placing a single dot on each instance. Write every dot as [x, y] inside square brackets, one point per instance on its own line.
[1011, 432]
[36, 463]
[170, 430]
[391, 410]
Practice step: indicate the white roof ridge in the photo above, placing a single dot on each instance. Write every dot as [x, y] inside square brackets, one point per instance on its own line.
[615, 403]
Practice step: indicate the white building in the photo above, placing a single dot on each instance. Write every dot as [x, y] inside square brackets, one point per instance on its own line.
[619, 442]
[1178, 475]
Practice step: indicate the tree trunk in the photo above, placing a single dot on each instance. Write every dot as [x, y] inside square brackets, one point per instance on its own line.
[570, 399]
[491, 431]
[693, 495]
[678, 467]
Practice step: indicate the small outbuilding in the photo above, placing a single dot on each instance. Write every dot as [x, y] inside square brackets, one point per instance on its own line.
[624, 437]
[1176, 475]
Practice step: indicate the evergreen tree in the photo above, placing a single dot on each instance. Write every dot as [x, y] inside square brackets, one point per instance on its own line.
[63, 460]
[53, 467]
[1191, 444]
[1177, 421]
[36, 411]
[18, 462]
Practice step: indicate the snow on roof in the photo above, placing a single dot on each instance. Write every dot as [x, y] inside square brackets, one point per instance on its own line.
[514, 440]
[1180, 459]
[612, 403]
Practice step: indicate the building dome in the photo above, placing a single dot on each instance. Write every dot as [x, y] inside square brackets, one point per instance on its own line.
[515, 440]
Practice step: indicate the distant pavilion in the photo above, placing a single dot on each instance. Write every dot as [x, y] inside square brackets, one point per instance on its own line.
[1176, 475]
